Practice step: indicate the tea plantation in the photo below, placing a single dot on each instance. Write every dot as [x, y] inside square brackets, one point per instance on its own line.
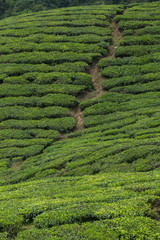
[98, 67]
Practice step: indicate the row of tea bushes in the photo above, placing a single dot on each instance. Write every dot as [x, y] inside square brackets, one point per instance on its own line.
[129, 80]
[147, 15]
[133, 60]
[72, 31]
[128, 70]
[18, 112]
[146, 30]
[10, 152]
[49, 78]
[138, 88]
[63, 100]
[8, 90]
[43, 38]
[24, 142]
[147, 39]
[124, 25]
[63, 124]
[69, 23]
[119, 102]
[136, 50]
[23, 46]
[17, 134]
[45, 57]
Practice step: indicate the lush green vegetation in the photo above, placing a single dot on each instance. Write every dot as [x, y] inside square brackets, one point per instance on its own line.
[100, 182]
[13, 7]
[119, 206]
[43, 69]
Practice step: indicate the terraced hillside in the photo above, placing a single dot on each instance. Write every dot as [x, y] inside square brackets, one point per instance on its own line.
[43, 62]
[80, 96]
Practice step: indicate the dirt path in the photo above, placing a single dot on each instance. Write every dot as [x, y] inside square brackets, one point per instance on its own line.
[96, 76]
[96, 80]
[78, 115]
[116, 38]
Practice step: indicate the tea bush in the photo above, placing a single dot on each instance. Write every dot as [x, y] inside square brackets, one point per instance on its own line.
[136, 50]
[44, 101]
[135, 24]
[140, 40]
[60, 124]
[129, 80]
[141, 60]
[39, 90]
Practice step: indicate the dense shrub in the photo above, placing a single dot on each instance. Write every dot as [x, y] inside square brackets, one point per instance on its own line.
[47, 58]
[141, 15]
[129, 60]
[21, 151]
[64, 124]
[18, 112]
[136, 50]
[129, 80]
[25, 142]
[44, 101]
[40, 38]
[138, 88]
[148, 30]
[47, 47]
[140, 40]
[7, 90]
[124, 25]
[72, 31]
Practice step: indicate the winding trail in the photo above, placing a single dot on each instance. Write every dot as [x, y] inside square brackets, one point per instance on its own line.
[96, 77]
[78, 115]
[116, 38]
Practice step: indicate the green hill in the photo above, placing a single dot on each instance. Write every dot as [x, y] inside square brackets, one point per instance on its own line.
[79, 96]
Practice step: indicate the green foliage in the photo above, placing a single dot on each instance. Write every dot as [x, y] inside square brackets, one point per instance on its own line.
[141, 60]
[111, 229]
[47, 47]
[129, 80]
[8, 90]
[96, 207]
[44, 101]
[136, 50]
[44, 65]
[41, 38]
[60, 124]
[19, 151]
[45, 57]
[140, 40]
[124, 25]
[72, 31]
[18, 112]
[25, 142]
[124, 70]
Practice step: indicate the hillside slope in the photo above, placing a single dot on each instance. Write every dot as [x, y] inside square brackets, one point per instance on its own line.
[79, 96]
[44, 66]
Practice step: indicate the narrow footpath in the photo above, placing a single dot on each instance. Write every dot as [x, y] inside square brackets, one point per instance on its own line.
[96, 77]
